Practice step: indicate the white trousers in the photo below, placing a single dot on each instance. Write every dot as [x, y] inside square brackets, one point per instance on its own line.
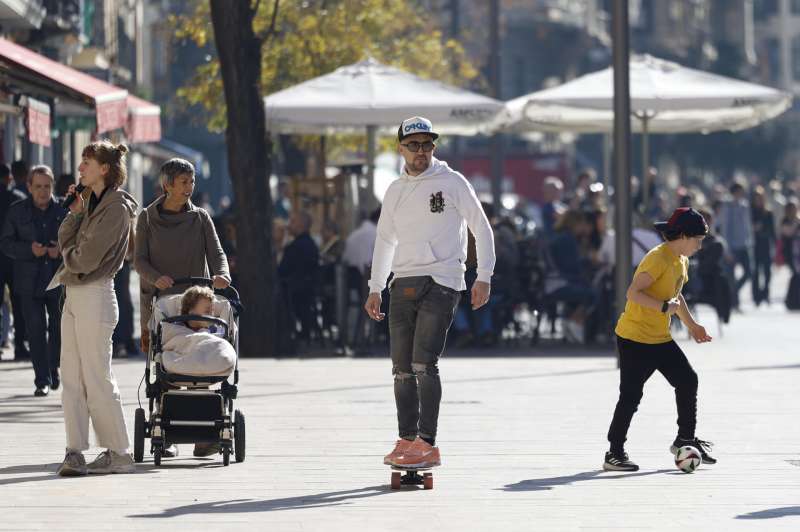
[89, 389]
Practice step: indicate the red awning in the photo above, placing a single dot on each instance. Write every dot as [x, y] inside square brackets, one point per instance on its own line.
[38, 122]
[110, 103]
[144, 121]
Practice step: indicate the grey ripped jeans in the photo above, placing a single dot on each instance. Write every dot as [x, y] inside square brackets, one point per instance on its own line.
[420, 314]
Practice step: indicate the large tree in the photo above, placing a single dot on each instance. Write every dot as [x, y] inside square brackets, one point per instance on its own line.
[249, 163]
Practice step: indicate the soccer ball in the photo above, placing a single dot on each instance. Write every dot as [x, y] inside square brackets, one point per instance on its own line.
[688, 459]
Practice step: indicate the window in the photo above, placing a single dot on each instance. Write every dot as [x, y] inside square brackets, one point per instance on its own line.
[796, 58]
[772, 50]
[763, 9]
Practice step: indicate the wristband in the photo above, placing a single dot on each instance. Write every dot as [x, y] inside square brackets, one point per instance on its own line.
[665, 306]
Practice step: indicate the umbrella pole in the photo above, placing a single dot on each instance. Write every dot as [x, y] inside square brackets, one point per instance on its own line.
[372, 142]
[607, 150]
[645, 162]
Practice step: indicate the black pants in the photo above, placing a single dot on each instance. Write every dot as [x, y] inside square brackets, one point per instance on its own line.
[741, 256]
[637, 362]
[762, 274]
[420, 314]
[43, 321]
[123, 333]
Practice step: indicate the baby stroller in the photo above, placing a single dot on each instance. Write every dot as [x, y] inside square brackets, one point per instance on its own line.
[195, 405]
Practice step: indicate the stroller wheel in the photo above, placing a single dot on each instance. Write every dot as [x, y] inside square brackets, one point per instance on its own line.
[238, 436]
[226, 456]
[157, 456]
[138, 436]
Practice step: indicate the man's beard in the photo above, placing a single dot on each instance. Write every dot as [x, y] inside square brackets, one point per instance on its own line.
[420, 164]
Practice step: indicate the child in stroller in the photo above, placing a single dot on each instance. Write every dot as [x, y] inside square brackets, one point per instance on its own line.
[199, 301]
[187, 372]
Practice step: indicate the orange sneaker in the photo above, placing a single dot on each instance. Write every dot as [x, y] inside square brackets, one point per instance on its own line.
[400, 447]
[419, 455]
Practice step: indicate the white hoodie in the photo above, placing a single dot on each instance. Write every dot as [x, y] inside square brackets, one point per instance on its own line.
[423, 229]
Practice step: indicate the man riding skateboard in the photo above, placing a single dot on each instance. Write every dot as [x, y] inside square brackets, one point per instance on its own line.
[422, 239]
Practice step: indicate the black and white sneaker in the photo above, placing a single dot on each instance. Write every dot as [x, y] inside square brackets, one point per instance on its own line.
[618, 462]
[703, 446]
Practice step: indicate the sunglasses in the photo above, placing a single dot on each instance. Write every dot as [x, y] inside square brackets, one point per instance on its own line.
[414, 146]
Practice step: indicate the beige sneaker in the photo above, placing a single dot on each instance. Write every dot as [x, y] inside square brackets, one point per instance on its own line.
[111, 462]
[74, 465]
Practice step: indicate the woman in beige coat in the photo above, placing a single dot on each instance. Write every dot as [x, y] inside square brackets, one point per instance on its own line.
[94, 239]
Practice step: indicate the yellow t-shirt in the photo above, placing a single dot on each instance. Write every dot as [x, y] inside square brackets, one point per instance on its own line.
[670, 273]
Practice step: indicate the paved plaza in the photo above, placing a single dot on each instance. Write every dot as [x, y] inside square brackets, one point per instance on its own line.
[522, 439]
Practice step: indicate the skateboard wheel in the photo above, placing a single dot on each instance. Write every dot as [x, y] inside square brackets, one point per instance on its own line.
[396, 480]
[427, 481]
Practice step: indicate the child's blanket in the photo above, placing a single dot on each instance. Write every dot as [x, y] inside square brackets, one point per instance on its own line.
[199, 354]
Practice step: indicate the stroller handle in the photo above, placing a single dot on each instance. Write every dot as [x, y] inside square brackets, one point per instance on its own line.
[194, 281]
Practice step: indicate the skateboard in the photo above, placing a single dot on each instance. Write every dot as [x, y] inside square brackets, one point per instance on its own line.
[410, 476]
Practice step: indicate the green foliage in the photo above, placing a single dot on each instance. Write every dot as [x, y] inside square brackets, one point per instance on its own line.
[313, 37]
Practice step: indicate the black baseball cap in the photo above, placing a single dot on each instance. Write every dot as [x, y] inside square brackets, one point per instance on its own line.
[684, 221]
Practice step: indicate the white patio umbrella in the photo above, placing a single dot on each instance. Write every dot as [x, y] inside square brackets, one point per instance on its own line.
[369, 96]
[665, 98]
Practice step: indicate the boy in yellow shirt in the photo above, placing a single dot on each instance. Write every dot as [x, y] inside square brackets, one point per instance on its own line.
[644, 341]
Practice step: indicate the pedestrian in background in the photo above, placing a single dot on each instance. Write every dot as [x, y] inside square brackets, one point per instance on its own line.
[790, 242]
[763, 245]
[360, 243]
[297, 273]
[63, 183]
[552, 208]
[790, 230]
[737, 229]
[19, 170]
[8, 196]
[125, 345]
[330, 258]
[30, 238]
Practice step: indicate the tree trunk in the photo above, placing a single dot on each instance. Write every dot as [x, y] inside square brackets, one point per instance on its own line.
[249, 163]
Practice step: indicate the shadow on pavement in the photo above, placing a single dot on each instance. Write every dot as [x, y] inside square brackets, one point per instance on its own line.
[37, 414]
[49, 471]
[320, 500]
[20, 396]
[756, 368]
[29, 468]
[447, 381]
[169, 463]
[773, 513]
[542, 484]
